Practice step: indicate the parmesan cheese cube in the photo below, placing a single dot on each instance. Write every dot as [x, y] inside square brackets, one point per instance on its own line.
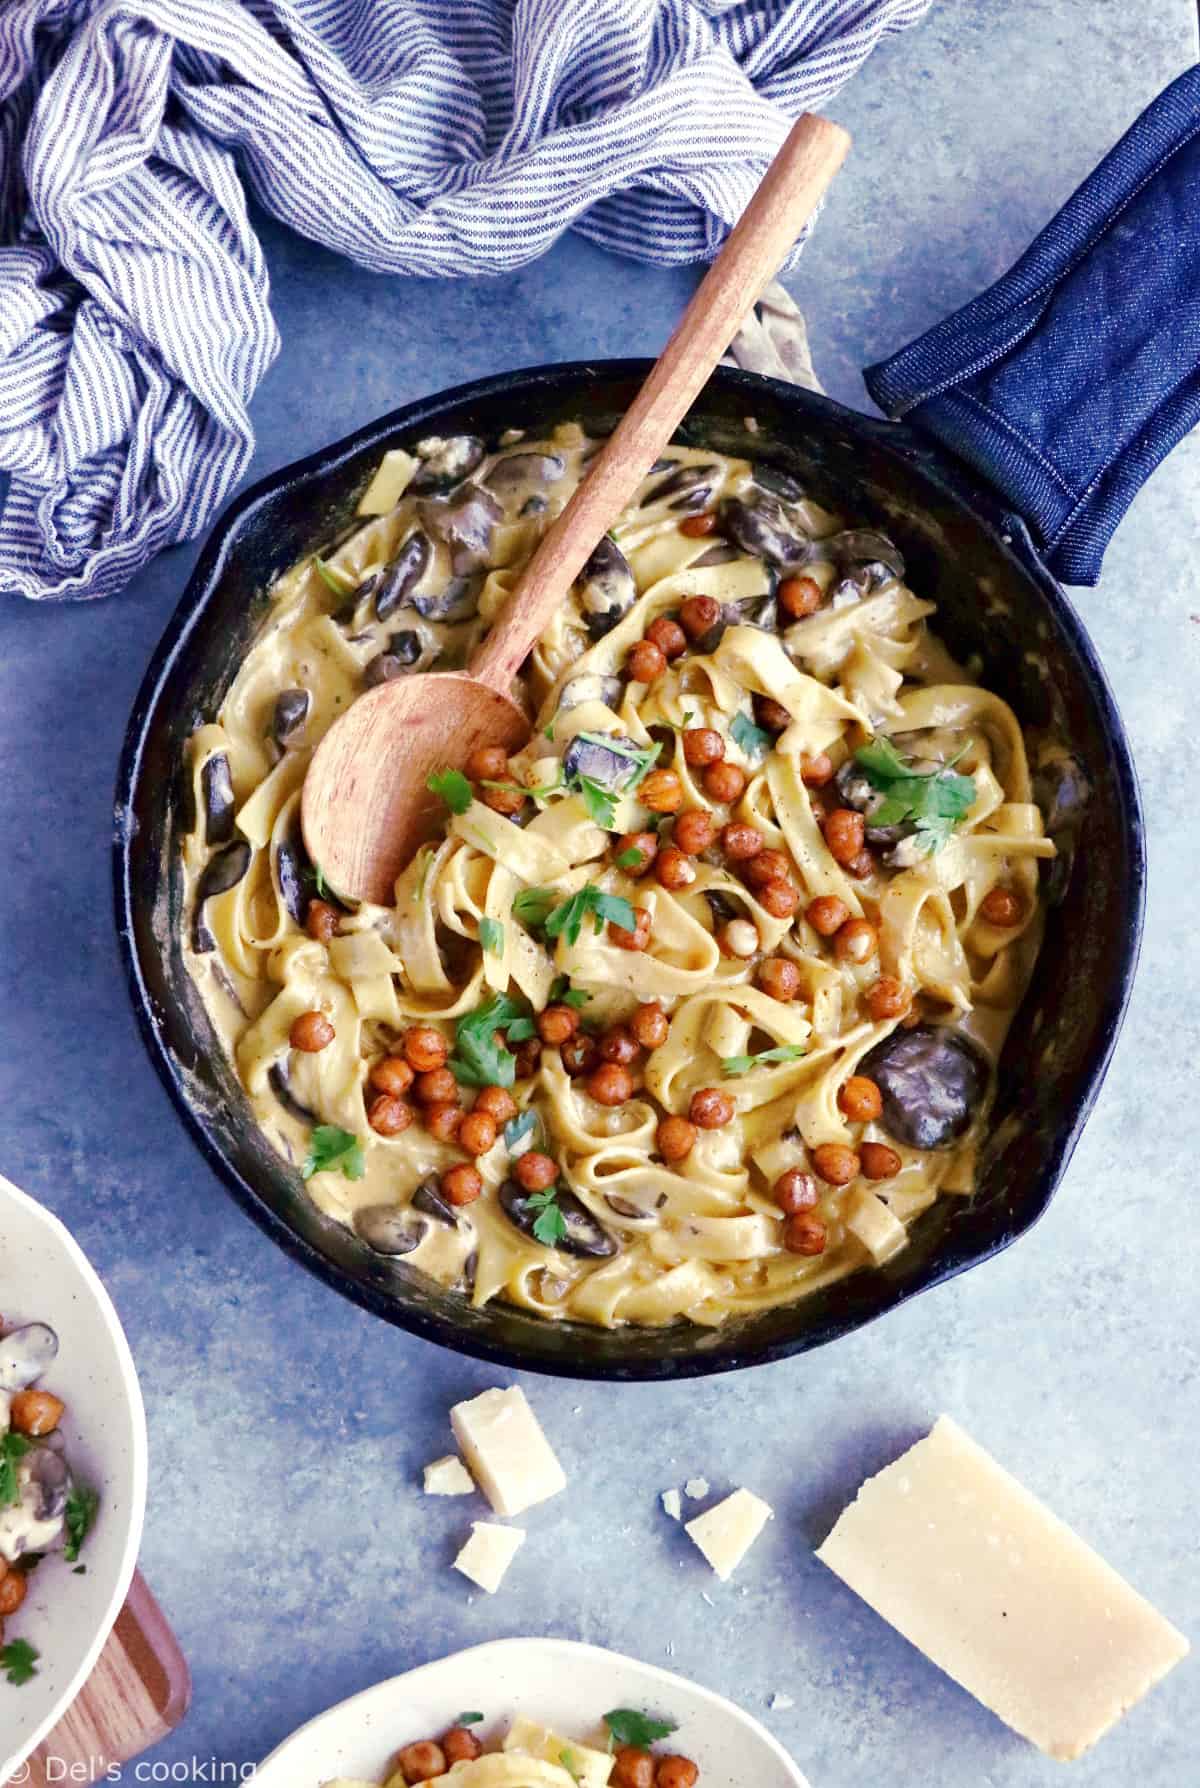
[1000, 1594]
[488, 1553]
[510, 1457]
[448, 1477]
[726, 1532]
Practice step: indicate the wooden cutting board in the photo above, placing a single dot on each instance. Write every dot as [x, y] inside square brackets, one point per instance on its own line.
[138, 1692]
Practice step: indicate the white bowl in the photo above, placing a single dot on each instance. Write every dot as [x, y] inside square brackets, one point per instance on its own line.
[45, 1277]
[553, 1681]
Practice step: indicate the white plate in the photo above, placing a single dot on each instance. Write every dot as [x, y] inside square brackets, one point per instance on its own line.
[45, 1277]
[554, 1681]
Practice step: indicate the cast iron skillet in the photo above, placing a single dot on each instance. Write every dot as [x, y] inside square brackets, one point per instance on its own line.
[960, 545]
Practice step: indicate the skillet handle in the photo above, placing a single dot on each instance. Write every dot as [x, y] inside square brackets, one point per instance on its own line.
[1068, 381]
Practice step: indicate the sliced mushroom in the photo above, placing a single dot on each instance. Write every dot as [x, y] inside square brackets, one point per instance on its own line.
[585, 756]
[691, 486]
[389, 1229]
[591, 687]
[292, 870]
[281, 1086]
[445, 462]
[722, 908]
[25, 1354]
[605, 588]
[401, 576]
[518, 476]
[50, 1477]
[720, 554]
[872, 553]
[933, 1080]
[222, 872]
[585, 1237]
[632, 1213]
[765, 530]
[458, 601]
[399, 655]
[290, 717]
[754, 611]
[216, 784]
[778, 482]
[428, 1198]
[463, 522]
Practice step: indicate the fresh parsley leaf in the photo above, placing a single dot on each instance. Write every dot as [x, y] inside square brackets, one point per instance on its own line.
[933, 802]
[550, 1226]
[633, 858]
[12, 1447]
[333, 580]
[548, 729]
[531, 907]
[468, 1719]
[491, 936]
[18, 1660]
[628, 1727]
[82, 1503]
[517, 1129]
[563, 994]
[319, 879]
[742, 1064]
[755, 741]
[600, 802]
[79, 1571]
[452, 787]
[520, 1030]
[593, 902]
[478, 1059]
[331, 1147]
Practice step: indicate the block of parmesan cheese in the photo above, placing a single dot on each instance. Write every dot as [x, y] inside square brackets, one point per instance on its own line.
[726, 1532]
[488, 1554]
[1000, 1593]
[510, 1457]
[448, 1477]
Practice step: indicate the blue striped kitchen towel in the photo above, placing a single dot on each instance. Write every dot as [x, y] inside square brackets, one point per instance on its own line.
[434, 137]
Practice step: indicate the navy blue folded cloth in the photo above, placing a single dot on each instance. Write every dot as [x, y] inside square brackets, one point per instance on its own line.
[1070, 379]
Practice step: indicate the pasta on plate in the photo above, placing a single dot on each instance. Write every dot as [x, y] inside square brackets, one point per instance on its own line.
[692, 1005]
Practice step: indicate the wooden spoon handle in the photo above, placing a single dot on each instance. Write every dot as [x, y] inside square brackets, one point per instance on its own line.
[786, 199]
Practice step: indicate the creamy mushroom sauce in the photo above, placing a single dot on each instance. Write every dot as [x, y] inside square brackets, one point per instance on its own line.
[643, 1235]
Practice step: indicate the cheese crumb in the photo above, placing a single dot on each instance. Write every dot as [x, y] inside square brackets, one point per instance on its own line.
[672, 1504]
[488, 1553]
[697, 1488]
[512, 1461]
[448, 1477]
[781, 1703]
[726, 1532]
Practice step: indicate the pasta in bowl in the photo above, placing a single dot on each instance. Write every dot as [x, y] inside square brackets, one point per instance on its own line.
[692, 1007]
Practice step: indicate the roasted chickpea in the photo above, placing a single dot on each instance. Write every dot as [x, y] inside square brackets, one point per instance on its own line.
[579, 1053]
[487, 763]
[702, 745]
[13, 1588]
[311, 1032]
[497, 1101]
[844, 832]
[739, 938]
[638, 938]
[610, 1084]
[668, 636]
[771, 715]
[322, 921]
[879, 1162]
[676, 1772]
[740, 842]
[804, 1235]
[780, 899]
[888, 998]
[437, 1087]
[779, 978]
[477, 1133]
[796, 1191]
[632, 1768]
[503, 800]
[388, 1116]
[661, 792]
[425, 1048]
[645, 663]
[460, 1745]
[645, 843]
[620, 1045]
[697, 526]
[35, 1412]
[461, 1184]
[1000, 906]
[860, 866]
[674, 868]
[391, 1075]
[535, 1172]
[675, 1138]
[650, 1025]
[421, 1762]
[798, 596]
[557, 1023]
[856, 941]
[816, 769]
[698, 614]
[835, 1163]
[724, 782]
[527, 1055]
[860, 1099]
[710, 1108]
[694, 830]
[768, 866]
[826, 914]
[443, 1121]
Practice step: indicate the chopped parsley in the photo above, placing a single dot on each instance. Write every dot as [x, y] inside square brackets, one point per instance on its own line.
[479, 1059]
[520, 1030]
[633, 858]
[589, 902]
[18, 1660]
[628, 1727]
[82, 1504]
[550, 1226]
[755, 741]
[532, 906]
[319, 880]
[601, 802]
[331, 1147]
[491, 936]
[742, 1064]
[12, 1447]
[934, 802]
[450, 786]
[333, 580]
[468, 1719]
[517, 1129]
[563, 994]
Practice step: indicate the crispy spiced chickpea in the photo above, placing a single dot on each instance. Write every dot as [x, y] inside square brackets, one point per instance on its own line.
[322, 921]
[702, 745]
[650, 1025]
[443, 1122]
[710, 1108]
[388, 1116]
[638, 938]
[534, 1172]
[661, 792]
[460, 1745]
[778, 978]
[796, 1191]
[879, 1162]
[620, 1045]
[487, 763]
[739, 937]
[35, 1412]
[674, 869]
[740, 842]
[13, 1587]
[632, 1768]
[437, 1087]
[860, 1099]
[579, 1053]
[694, 830]
[425, 1048]
[816, 769]
[527, 1055]
[698, 614]
[645, 843]
[780, 899]
[724, 782]
[391, 1075]
[836, 1164]
[507, 800]
[845, 832]
[421, 1762]
[768, 866]
[771, 714]
[675, 1138]
[826, 914]
[1000, 906]
[646, 662]
[497, 1101]
[668, 636]
[856, 941]
[798, 597]
[803, 1234]
[311, 1032]
[676, 1772]
[610, 1084]
[888, 998]
[557, 1023]
[861, 866]
[477, 1133]
[695, 527]
[461, 1184]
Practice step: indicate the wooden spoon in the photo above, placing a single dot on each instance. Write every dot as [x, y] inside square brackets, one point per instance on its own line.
[365, 807]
